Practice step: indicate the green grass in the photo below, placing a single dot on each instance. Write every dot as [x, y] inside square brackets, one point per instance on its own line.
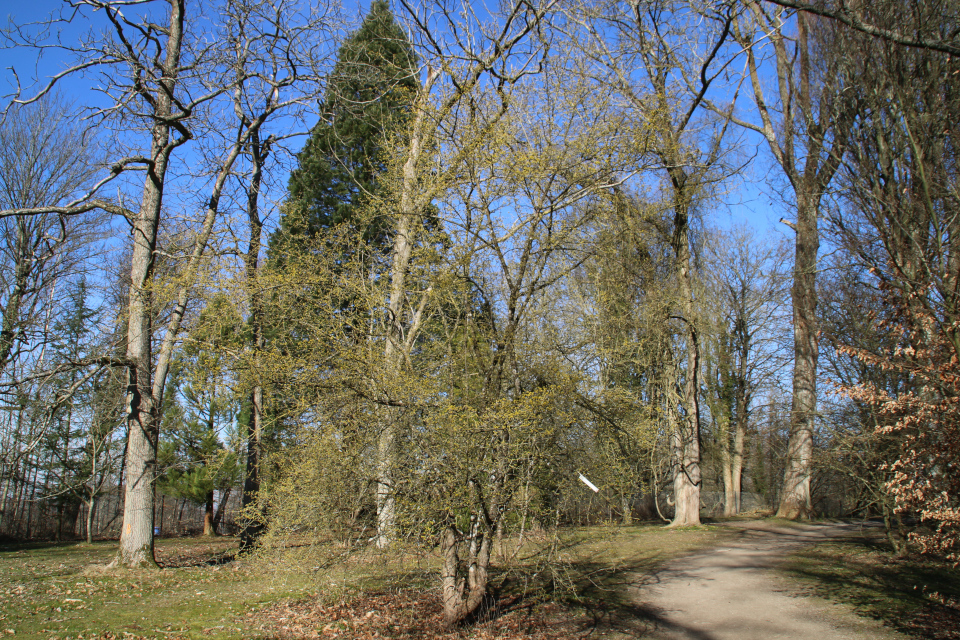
[63, 590]
[918, 596]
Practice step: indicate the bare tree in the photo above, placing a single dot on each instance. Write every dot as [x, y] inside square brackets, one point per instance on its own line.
[164, 78]
[806, 125]
[742, 291]
[44, 157]
[675, 73]
[858, 15]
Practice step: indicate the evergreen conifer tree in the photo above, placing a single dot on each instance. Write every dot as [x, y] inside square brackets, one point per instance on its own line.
[368, 100]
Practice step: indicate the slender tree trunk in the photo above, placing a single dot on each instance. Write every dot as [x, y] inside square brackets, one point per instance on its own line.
[136, 537]
[221, 507]
[91, 509]
[251, 524]
[5, 500]
[729, 492]
[58, 533]
[737, 477]
[31, 501]
[393, 352]
[163, 505]
[183, 505]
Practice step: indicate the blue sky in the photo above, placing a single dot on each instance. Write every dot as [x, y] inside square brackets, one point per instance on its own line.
[748, 201]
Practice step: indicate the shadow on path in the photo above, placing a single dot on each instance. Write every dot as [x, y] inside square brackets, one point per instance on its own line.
[727, 592]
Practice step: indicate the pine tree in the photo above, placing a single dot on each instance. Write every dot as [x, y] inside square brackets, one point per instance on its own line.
[368, 100]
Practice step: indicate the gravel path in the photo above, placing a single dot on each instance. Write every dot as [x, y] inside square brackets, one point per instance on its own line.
[731, 593]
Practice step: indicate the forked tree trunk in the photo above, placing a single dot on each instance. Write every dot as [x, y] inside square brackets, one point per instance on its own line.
[463, 594]
[218, 516]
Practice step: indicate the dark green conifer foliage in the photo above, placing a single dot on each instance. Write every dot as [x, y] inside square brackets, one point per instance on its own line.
[368, 100]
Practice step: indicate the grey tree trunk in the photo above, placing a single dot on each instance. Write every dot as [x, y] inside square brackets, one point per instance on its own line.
[393, 351]
[136, 537]
[809, 173]
[796, 500]
[91, 509]
[687, 480]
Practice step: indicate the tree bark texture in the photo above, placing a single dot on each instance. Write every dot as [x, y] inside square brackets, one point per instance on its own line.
[796, 500]
[393, 350]
[251, 526]
[687, 479]
[208, 527]
[463, 594]
[136, 537]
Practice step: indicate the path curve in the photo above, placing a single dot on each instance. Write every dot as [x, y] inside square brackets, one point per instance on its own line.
[731, 592]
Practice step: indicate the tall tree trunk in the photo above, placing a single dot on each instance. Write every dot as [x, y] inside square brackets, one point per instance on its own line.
[183, 505]
[5, 498]
[136, 537]
[809, 174]
[739, 437]
[729, 492]
[796, 500]
[687, 480]
[163, 505]
[251, 527]
[403, 243]
[91, 509]
[58, 533]
[251, 524]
